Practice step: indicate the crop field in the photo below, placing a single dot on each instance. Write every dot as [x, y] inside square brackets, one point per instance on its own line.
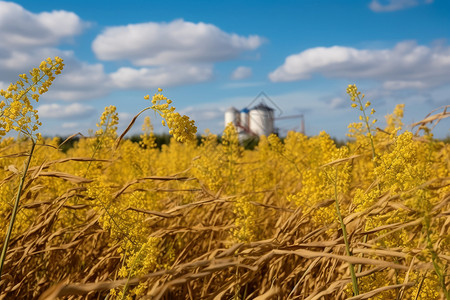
[294, 218]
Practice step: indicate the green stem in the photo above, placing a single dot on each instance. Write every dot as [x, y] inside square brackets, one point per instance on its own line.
[15, 208]
[435, 259]
[369, 129]
[434, 256]
[363, 109]
[347, 245]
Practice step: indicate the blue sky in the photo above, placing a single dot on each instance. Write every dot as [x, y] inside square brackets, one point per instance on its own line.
[210, 55]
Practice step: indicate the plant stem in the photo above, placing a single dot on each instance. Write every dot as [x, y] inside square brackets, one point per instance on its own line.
[435, 259]
[347, 246]
[369, 130]
[16, 207]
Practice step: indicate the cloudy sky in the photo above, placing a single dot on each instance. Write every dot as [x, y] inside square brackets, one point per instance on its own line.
[210, 55]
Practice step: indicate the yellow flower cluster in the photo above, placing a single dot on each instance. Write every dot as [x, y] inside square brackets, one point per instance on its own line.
[148, 139]
[17, 112]
[181, 127]
[401, 169]
[394, 120]
[108, 122]
[207, 164]
[152, 203]
[106, 132]
[357, 102]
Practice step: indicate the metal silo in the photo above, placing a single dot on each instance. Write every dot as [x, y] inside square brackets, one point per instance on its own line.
[244, 116]
[261, 120]
[232, 116]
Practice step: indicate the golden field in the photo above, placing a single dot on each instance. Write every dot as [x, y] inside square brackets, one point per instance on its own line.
[294, 218]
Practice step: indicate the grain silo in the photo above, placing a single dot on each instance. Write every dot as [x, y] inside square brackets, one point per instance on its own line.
[258, 120]
[232, 116]
[261, 120]
[244, 117]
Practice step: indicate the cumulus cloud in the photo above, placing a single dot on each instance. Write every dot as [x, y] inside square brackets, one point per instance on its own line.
[20, 28]
[241, 73]
[153, 44]
[28, 38]
[203, 114]
[80, 81]
[19, 61]
[407, 65]
[401, 85]
[337, 102]
[163, 76]
[58, 111]
[169, 54]
[394, 5]
[70, 125]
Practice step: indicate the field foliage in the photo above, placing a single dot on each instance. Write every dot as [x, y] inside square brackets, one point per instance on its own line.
[295, 218]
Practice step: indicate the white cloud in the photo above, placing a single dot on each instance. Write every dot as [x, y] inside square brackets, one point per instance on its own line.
[80, 81]
[70, 125]
[28, 38]
[241, 84]
[20, 28]
[337, 102]
[153, 44]
[57, 111]
[15, 62]
[125, 119]
[394, 5]
[241, 73]
[400, 85]
[203, 114]
[77, 81]
[125, 116]
[407, 65]
[162, 77]
[171, 54]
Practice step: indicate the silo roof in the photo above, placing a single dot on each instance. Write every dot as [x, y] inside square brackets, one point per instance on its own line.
[263, 106]
[232, 109]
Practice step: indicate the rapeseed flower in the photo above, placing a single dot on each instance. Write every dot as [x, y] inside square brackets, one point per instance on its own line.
[17, 112]
[180, 127]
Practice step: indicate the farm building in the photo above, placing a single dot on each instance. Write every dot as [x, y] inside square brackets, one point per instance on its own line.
[256, 121]
[259, 119]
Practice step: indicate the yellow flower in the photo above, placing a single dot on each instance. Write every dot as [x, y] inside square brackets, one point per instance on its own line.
[17, 111]
[181, 127]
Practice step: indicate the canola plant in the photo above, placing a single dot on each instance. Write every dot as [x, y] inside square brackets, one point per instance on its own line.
[377, 207]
